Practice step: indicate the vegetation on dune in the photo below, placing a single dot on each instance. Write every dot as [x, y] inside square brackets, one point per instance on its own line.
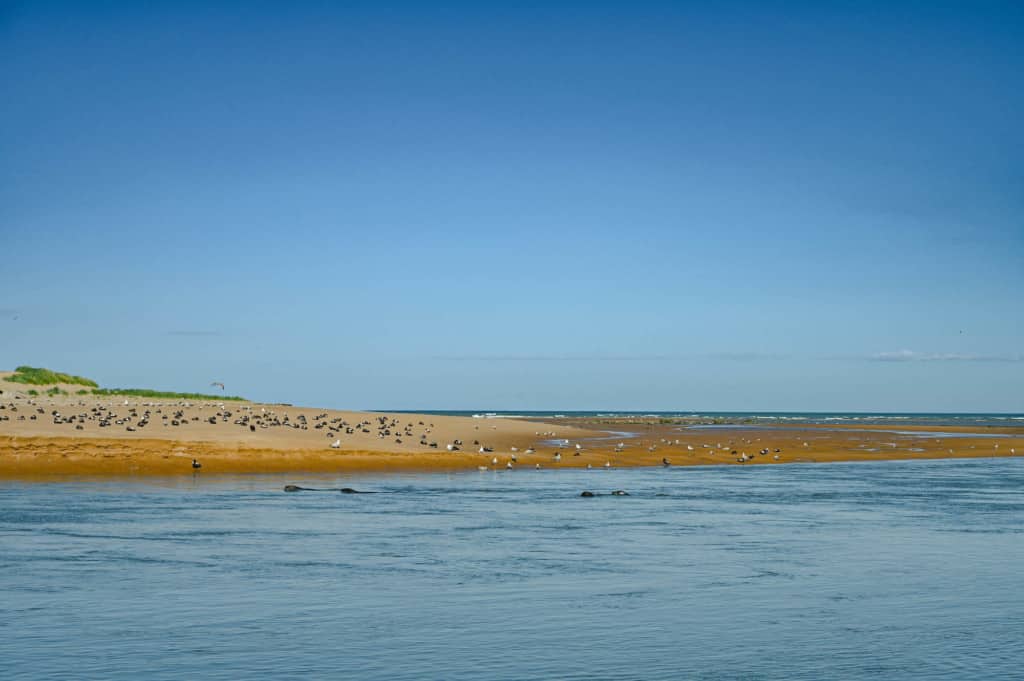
[39, 376]
[159, 394]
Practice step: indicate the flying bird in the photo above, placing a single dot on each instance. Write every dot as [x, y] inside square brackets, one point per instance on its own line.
[217, 383]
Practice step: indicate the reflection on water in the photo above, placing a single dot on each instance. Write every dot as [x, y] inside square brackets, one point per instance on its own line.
[908, 570]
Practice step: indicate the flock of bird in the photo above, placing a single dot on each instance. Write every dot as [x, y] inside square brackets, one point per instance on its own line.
[253, 418]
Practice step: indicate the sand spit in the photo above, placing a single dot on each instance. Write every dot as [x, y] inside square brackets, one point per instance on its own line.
[71, 435]
[79, 436]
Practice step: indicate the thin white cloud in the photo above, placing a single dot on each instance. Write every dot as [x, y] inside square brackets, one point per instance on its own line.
[744, 356]
[914, 356]
[553, 358]
[895, 356]
[724, 356]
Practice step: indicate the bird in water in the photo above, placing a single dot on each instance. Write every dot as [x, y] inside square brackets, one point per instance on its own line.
[196, 465]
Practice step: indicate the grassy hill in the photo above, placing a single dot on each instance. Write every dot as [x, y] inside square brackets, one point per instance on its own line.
[36, 376]
[39, 376]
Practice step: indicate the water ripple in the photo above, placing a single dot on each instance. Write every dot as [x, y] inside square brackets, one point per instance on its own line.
[903, 570]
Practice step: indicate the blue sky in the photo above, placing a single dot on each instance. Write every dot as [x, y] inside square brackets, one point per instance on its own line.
[776, 206]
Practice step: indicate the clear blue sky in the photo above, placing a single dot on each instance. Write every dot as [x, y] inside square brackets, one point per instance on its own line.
[777, 206]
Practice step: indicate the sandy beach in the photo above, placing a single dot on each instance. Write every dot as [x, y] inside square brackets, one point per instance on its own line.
[75, 435]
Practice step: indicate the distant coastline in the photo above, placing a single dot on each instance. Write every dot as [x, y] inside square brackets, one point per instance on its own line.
[746, 417]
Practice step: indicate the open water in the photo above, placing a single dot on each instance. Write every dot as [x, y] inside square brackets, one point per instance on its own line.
[889, 570]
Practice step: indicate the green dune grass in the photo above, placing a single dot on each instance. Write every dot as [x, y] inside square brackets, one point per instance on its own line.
[142, 392]
[39, 376]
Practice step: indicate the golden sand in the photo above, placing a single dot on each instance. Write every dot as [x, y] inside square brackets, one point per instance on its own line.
[41, 448]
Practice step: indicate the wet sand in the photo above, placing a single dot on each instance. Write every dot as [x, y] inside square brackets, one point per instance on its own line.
[113, 436]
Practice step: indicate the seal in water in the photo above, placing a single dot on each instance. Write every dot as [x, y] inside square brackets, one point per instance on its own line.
[620, 493]
[343, 490]
[587, 494]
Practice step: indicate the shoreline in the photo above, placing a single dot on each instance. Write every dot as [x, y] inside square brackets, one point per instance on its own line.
[44, 458]
[60, 437]
[372, 471]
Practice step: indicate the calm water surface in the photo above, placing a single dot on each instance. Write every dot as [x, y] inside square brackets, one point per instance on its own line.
[899, 570]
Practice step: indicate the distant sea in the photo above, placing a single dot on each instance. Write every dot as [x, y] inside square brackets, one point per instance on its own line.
[753, 417]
